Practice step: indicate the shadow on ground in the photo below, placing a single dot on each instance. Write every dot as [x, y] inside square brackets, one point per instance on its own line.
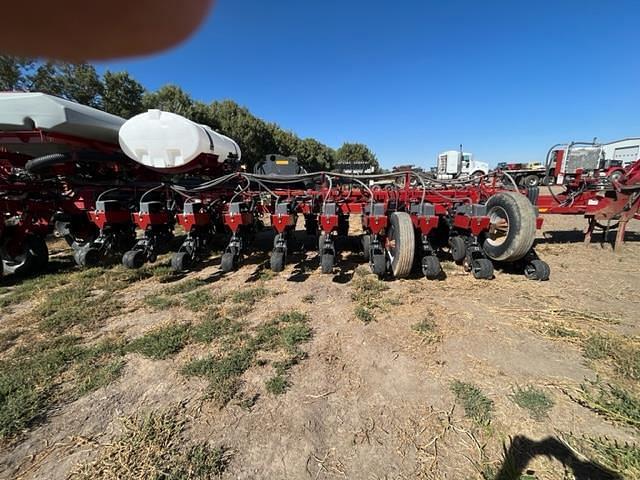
[523, 450]
[577, 236]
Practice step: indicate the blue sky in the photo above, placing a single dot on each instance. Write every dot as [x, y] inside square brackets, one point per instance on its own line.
[413, 78]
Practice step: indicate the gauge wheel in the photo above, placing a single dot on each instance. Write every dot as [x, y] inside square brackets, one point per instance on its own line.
[458, 248]
[277, 260]
[366, 246]
[379, 264]
[327, 261]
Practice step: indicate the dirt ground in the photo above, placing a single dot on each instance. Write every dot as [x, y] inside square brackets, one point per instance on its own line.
[373, 399]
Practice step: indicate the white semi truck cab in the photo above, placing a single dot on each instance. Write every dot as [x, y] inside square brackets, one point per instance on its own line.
[457, 164]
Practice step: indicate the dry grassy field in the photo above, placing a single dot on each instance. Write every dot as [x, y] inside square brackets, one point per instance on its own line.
[108, 373]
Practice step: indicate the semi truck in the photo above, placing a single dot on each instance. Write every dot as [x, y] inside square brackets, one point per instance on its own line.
[458, 164]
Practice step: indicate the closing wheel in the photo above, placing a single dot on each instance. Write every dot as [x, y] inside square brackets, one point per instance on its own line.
[512, 228]
[458, 248]
[228, 262]
[133, 259]
[180, 262]
[33, 257]
[537, 270]
[327, 261]
[379, 264]
[366, 246]
[401, 244]
[87, 257]
[277, 260]
[482, 268]
[431, 267]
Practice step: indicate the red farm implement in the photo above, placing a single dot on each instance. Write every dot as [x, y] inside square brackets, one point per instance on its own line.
[111, 206]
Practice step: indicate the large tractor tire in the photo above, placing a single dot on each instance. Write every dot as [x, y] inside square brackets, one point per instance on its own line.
[401, 244]
[513, 227]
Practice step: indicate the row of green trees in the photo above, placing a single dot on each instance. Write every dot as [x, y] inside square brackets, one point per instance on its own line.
[119, 93]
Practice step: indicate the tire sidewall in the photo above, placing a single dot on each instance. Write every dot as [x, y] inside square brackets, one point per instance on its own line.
[404, 237]
[521, 218]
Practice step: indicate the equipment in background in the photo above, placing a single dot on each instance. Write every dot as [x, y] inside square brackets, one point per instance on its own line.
[274, 164]
[565, 160]
[456, 164]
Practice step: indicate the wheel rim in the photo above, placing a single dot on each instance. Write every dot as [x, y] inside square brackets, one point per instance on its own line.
[498, 226]
[530, 271]
[391, 244]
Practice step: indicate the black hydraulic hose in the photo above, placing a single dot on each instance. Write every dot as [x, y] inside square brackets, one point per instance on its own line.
[548, 171]
[46, 161]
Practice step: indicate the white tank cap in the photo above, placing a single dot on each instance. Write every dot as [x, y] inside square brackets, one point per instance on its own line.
[164, 140]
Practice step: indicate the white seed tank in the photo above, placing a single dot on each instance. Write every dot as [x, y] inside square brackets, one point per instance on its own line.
[34, 110]
[166, 141]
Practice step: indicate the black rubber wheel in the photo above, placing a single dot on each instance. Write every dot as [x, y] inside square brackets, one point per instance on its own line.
[277, 260]
[537, 270]
[34, 257]
[228, 262]
[401, 244]
[482, 268]
[546, 180]
[531, 181]
[180, 262]
[366, 246]
[379, 264]
[616, 176]
[87, 257]
[327, 261]
[513, 227]
[431, 267]
[133, 259]
[458, 248]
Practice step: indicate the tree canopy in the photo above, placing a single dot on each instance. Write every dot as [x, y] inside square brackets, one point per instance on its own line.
[353, 153]
[120, 94]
